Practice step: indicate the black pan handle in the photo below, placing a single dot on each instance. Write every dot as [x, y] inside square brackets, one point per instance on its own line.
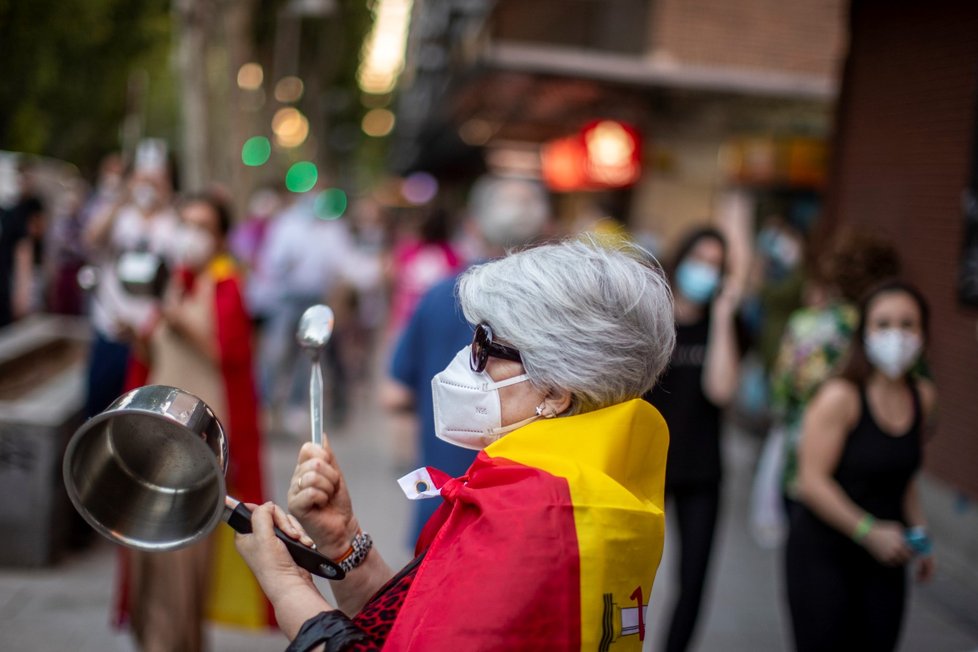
[239, 518]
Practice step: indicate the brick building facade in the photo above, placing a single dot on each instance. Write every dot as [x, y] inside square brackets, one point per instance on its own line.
[905, 125]
[691, 75]
[804, 37]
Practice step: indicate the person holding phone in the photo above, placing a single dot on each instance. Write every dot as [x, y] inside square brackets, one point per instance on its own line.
[860, 523]
[700, 381]
[130, 239]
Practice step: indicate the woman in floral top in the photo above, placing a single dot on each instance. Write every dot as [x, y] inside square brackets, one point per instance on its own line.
[817, 337]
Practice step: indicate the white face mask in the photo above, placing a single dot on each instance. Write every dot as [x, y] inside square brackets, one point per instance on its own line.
[109, 185]
[893, 351]
[144, 195]
[467, 408]
[192, 247]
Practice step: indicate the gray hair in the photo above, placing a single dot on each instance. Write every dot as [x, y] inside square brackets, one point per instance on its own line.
[593, 317]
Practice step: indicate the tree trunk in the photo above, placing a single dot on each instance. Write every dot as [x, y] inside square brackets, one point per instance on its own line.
[238, 15]
[191, 21]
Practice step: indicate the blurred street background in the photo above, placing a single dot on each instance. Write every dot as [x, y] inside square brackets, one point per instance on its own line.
[66, 605]
[175, 167]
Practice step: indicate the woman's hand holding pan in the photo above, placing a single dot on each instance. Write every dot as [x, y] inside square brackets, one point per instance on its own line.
[288, 587]
[268, 557]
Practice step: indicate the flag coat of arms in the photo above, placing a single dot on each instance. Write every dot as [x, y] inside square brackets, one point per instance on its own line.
[550, 541]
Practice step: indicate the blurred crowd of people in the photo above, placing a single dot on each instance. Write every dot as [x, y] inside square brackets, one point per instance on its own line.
[822, 350]
[178, 291]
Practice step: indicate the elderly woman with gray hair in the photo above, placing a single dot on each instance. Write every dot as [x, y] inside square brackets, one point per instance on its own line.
[552, 538]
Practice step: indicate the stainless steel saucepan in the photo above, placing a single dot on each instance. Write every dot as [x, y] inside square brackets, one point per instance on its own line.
[148, 473]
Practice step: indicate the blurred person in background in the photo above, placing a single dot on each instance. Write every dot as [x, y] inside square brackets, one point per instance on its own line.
[700, 381]
[109, 185]
[201, 342]
[540, 542]
[860, 522]
[248, 243]
[420, 260]
[502, 214]
[305, 261]
[129, 240]
[779, 262]
[21, 232]
[366, 302]
[247, 237]
[817, 336]
[67, 249]
[777, 281]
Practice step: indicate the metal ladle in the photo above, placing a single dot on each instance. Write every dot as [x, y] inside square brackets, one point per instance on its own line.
[314, 331]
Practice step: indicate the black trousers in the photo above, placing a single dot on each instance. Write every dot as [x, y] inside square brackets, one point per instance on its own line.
[696, 508]
[839, 596]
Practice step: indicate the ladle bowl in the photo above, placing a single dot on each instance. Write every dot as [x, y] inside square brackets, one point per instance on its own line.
[313, 333]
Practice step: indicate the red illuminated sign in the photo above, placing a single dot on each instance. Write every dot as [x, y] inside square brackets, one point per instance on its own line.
[605, 154]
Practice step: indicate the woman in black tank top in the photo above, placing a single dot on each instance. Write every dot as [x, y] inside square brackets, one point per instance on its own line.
[860, 522]
[700, 381]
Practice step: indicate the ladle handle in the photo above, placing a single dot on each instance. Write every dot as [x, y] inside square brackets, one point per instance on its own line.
[316, 400]
[239, 518]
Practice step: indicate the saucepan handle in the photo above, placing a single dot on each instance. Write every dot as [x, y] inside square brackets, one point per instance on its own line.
[239, 517]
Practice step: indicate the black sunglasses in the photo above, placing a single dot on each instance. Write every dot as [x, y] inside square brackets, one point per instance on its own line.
[483, 348]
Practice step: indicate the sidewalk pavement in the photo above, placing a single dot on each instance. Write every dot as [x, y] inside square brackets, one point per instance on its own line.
[67, 606]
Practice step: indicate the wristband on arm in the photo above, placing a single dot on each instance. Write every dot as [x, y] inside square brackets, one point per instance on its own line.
[357, 552]
[863, 527]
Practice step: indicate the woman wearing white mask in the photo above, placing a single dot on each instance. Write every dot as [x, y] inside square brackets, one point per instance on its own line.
[129, 239]
[860, 522]
[551, 539]
[700, 382]
[202, 343]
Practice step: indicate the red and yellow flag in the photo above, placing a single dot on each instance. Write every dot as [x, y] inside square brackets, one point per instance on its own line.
[551, 541]
[235, 597]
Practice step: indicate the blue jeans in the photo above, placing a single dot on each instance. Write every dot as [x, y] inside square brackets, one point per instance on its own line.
[107, 364]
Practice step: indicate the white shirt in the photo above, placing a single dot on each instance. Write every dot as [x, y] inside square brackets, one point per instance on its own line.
[306, 257]
[131, 231]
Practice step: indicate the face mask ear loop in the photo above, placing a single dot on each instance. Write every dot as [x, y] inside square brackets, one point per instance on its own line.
[496, 433]
[506, 383]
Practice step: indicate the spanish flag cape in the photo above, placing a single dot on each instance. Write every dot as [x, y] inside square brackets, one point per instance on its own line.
[551, 541]
[235, 597]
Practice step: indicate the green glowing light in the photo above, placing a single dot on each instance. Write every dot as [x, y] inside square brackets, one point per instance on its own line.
[301, 177]
[331, 204]
[256, 151]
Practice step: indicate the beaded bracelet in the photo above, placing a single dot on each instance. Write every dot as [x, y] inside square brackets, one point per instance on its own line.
[863, 527]
[357, 552]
